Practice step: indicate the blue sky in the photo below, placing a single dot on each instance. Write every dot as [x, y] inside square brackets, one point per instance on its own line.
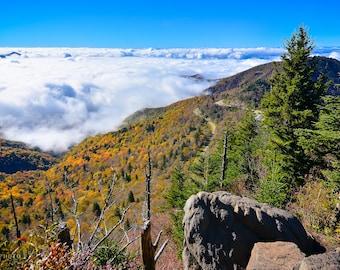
[165, 24]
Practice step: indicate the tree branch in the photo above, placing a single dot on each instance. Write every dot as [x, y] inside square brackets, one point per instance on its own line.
[111, 230]
[105, 207]
[161, 250]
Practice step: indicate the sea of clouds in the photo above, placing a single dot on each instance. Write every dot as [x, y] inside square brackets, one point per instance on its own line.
[53, 98]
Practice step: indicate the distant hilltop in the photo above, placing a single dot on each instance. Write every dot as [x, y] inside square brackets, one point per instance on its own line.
[9, 54]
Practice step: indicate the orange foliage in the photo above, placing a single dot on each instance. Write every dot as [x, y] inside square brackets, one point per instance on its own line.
[172, 135]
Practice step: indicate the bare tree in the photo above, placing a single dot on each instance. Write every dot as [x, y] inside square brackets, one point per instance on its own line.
[107, 204]
[74, 211]
[49, 190]
[18, 233]
[98, 236]
[148, 249]
[224, 158]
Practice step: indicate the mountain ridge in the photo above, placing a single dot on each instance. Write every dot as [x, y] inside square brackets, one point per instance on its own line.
[17, 156]
[329, 66]
[247, 86]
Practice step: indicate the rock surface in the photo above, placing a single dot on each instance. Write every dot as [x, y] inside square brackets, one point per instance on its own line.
[274, 255]
[221, 229]
[326, 261]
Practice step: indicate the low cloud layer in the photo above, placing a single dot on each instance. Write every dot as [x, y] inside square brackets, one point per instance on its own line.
[53, 98]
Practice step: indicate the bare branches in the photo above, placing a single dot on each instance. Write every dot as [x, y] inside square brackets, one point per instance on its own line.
[147, 248]
[156, 245]
[111, 230]
[98, 238]
[107, 205]
[160, 251]
[74, 211]
[75, 216]
[49, 190]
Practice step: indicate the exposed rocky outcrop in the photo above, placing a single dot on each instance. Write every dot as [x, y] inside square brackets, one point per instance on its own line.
[274, 255]
[220, 230]
[326, 261]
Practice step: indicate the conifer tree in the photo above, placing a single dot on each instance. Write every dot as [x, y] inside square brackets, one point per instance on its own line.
[244, 143]
[322, 144]
[293, 103]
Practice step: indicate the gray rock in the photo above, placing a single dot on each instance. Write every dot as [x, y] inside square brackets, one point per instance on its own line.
[274, 255]
[221, 229]
[325, 261]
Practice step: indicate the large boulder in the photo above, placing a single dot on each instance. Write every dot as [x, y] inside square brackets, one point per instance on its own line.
[274, 255]
[221, 229]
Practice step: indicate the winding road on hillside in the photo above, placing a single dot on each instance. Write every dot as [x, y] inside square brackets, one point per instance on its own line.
[211, 124]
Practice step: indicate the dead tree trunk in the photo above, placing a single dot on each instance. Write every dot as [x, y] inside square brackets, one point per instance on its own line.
[18, 233]
[147, 216]
[49, 190]
[224, 159]
[148, 249]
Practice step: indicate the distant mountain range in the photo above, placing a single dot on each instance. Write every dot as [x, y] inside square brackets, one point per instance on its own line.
[9, 54]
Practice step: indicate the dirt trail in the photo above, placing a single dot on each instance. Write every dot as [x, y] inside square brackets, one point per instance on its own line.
[211, 124]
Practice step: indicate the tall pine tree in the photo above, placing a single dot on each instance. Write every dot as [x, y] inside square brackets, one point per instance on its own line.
[293, 103]
[322, 143]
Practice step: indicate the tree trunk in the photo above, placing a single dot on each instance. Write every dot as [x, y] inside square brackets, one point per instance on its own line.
[18, 233]
[148, 249]
[224, 159]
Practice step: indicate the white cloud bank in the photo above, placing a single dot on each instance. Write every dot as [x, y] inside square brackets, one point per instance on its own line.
[55, 97]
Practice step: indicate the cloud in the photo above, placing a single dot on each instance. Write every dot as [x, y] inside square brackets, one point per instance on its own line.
[55, 97]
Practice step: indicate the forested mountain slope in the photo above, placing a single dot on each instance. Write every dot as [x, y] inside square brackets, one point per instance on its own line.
[253, 83]
[175, 136]
[16, 156]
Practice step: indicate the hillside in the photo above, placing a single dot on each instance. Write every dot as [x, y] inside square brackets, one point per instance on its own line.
[174, 136]
[250, 85]
[16, 156]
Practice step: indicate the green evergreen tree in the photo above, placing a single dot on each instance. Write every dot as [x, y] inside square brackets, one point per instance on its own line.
[96, 209]
[244, 142]
[322, 143]
[6, 232]
[293, 103]
[131, 197]
[205, 171]
[180, 190]
[117, 213]
[272, 188]
[26, 219]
